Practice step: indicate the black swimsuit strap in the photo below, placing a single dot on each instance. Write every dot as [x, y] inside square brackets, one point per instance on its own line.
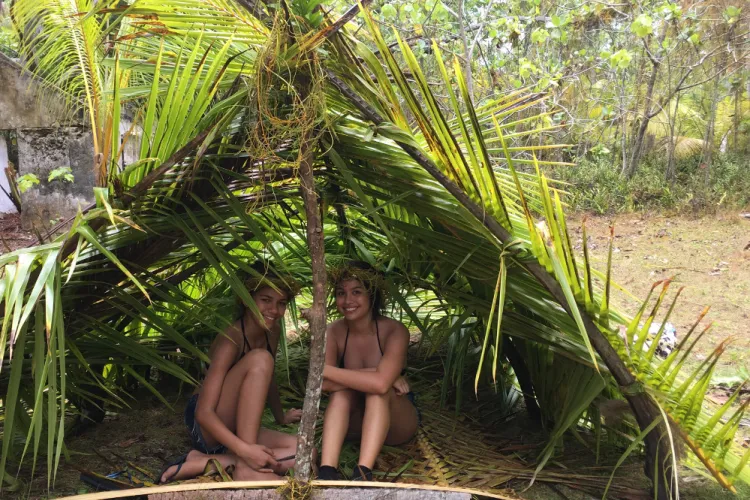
[247, 344]
[244, 337]
[268, 343]
[346, 341]
[343, 353]
[377, 334]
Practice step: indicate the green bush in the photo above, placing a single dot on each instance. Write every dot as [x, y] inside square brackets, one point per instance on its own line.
[595, 185]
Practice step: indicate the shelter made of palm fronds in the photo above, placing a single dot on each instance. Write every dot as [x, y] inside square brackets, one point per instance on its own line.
[446, 195]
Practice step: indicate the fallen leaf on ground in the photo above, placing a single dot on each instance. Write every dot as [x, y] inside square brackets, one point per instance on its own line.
[130, 442]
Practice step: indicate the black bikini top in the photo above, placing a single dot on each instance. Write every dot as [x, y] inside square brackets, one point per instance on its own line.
[247, 344]
[346, 341]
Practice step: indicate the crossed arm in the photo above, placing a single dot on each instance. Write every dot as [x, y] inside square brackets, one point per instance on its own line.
[377, 380]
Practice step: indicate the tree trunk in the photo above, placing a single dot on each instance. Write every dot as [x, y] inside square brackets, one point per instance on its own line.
[467, 58]
[524, 378]
[708, 140]
[737, 119]
[708, 145]
[670, 172]
[635, 158]
[317, 317]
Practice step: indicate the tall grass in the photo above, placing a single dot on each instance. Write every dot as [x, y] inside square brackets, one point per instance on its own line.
[597, 186]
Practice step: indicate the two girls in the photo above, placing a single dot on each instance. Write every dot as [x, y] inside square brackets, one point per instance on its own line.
[369, 399]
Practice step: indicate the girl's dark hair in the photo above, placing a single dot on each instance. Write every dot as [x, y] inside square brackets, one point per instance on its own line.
[371, 279]
[267, 276]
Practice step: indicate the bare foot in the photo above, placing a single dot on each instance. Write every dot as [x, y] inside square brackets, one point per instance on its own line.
[244, 472]
[173, 474]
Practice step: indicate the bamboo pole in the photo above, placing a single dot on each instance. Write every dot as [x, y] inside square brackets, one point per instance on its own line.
[240, 485]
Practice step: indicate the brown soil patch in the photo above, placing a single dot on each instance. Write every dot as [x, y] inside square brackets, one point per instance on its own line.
[709, 256]
[12, 236]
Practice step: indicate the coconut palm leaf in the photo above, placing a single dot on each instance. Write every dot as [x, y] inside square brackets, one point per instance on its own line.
[151, 274]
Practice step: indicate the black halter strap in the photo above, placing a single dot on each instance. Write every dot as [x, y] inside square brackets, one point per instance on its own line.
[247, 344]
[346, 341]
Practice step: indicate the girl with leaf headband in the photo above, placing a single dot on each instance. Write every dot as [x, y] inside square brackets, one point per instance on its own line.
[224, 415]
[365, 355]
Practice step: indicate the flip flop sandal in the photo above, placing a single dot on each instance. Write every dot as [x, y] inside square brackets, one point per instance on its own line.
[179, 462]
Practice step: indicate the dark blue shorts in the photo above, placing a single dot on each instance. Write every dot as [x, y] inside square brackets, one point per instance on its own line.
[199, 443]
[412, 396]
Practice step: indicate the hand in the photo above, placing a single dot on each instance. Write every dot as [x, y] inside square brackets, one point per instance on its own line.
[401, 386]
[258, 457]
[291, 416]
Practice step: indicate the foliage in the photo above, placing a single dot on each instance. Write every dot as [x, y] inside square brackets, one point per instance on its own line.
[63, 173]
[596, 60]
[595, 185]
[148, 274]
[27, 181]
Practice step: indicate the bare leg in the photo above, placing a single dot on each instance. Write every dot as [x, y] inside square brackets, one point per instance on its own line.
[335, 425]
[195, 465]
[241, 405]
[375, 425]
[388, 419]
[404, 421]
[243, 396]
[244, 472]
[283, 445]
[250, 408]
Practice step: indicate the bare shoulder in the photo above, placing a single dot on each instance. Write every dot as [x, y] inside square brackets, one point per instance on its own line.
[230, 338]
[335, 328]
[393, 328]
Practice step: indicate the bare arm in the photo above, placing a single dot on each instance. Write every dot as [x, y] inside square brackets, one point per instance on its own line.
[380, 380]
[332, 355]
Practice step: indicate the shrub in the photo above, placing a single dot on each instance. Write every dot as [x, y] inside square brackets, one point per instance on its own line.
[595, 185]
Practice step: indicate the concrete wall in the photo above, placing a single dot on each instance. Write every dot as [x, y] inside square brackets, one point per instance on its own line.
[41, 150]
[48, 137]
[23, 105]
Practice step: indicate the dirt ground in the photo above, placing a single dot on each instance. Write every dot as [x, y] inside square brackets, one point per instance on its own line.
[12, 236]
[709, 256]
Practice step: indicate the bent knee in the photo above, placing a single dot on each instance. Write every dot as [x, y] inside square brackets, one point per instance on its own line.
[342, 397]
[258, 360]
[387, 396]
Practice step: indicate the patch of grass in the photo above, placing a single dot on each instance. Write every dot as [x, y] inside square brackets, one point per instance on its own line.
[596, 185]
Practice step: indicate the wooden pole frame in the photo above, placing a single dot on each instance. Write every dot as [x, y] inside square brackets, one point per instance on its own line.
[250, 485]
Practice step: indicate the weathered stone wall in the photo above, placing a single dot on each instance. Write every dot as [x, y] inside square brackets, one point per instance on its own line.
[22, 104]
[49, 137]
[41, 150]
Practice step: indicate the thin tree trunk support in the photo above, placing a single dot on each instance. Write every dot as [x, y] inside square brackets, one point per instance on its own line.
[524, 378]
[659, 459]
[317, 317]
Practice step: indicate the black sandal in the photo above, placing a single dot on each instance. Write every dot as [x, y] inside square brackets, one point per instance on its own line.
[179, 462]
